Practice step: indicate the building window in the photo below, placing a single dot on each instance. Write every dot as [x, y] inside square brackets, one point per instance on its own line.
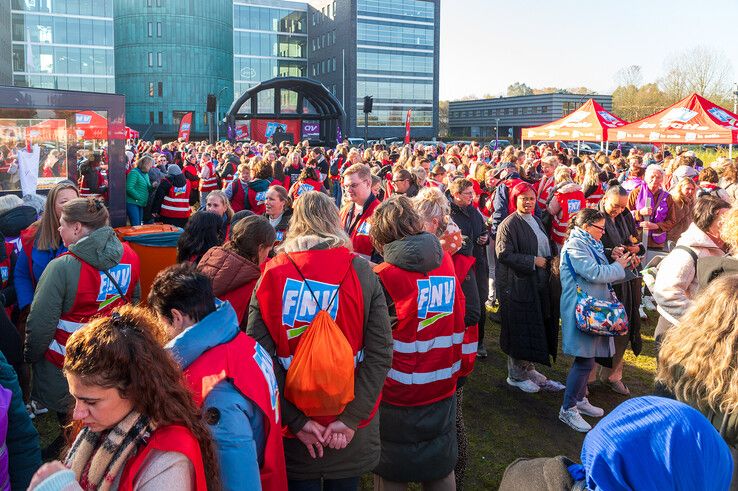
[151, 58]
[151, 117]
[544, 109]
[159, 59]
[150, 29]
[334, 32]
[160, 89]
[149, 3]
[158, 3]
[151, 89]
[158, 29]
[161, 117]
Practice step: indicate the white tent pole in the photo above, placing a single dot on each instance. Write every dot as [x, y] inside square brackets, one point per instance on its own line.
[579, 143]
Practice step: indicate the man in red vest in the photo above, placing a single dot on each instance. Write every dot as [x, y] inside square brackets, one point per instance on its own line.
[231, 378]
[356, 215]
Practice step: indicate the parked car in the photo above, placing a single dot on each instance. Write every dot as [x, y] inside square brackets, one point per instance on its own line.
[495, 144]
[356, 142]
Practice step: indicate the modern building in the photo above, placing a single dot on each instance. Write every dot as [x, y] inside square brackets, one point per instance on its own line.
[506, 116]
[387, 49]
[169, 55]
[66, 45]
[165, 56]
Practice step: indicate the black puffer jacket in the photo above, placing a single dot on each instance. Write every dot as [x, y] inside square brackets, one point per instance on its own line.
[419, 442]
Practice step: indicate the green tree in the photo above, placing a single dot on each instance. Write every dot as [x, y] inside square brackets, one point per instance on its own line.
[518, 89]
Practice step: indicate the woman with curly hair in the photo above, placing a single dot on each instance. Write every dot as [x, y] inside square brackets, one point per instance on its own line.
[697, 360]
[137, 427]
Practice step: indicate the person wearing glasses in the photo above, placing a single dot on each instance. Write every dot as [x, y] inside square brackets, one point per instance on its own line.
[357, 213]
[584, 264]
[621, 236]
[403, 182]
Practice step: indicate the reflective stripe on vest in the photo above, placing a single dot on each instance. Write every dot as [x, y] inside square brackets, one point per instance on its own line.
[426, 346]
[287, 361]
[422, 378]
[469, 348]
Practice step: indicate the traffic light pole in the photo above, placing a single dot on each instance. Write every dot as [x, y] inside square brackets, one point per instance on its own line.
[366, 128]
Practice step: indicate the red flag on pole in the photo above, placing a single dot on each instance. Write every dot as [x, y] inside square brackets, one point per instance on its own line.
[184, 127]
[407, 127]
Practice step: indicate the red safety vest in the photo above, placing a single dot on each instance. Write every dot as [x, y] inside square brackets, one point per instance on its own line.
[593, 200]
[426, 358]
[176, 203]
[359, 229]
[287, 307]
[192, 169]
[5, 264]
[28, 239]
[210, 183]
[84, 187]
[544, 191]
[257, 201]
[96, 296]
[462, 266]
[171, 438]
[238, 197]
[248, 367]
[304, 186]
[570, 204]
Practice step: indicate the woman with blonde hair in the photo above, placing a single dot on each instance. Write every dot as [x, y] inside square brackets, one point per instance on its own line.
[683, 194]
[217, 202]
[697, 361]
[282, 309]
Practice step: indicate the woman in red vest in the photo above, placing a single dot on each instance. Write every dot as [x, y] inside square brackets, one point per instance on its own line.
[234, 267]
[171, 203]
[335, 448]
[278, 211]
[146, 436]
[426, 307]
[566, 200]
[309, 181]
[97, 274]
[238, 190]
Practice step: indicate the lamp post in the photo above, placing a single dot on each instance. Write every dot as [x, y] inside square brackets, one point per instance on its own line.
[497, 132]
[217, 114]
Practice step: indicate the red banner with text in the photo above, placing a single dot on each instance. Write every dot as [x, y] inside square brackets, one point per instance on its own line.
[184, 127]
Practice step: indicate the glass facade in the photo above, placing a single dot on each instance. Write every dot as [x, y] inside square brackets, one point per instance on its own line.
[268, 42]
[63, 44]
[395, 60]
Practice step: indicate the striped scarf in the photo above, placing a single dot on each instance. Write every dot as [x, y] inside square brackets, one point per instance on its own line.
[98, 459]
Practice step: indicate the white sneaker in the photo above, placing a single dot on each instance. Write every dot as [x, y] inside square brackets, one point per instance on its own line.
[642, 313]
[553, 386]
[536, 377]
[574, 420]
[588, 409]
[648, 303]
[524, 385]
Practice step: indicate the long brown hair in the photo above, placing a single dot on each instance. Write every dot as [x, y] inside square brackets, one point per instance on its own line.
[47, 227]
[125, 352]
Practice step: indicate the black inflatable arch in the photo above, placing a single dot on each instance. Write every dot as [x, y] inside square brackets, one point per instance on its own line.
[327, 109]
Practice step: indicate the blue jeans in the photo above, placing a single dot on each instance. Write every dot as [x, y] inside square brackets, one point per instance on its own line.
[337, 193]
[348, 484]
[135, 213]
[576, 381]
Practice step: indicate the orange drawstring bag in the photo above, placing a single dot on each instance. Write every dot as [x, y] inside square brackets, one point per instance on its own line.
[320, 379]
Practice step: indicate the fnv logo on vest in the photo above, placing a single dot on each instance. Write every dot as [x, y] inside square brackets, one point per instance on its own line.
[264, 361]
[573, 205]
[435, 299]
[298, 305]
[180, 190]
[261, 197]
[304, 188]
[364, 229]
[108, 292]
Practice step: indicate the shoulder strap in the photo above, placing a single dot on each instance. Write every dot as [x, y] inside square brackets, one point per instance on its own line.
[116, 285]
[689, 251]
[315, 298]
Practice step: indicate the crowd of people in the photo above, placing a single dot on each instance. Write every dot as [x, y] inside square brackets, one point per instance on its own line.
[328, 305]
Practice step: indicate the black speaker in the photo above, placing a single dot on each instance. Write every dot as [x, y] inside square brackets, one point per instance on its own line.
[212, 103]
[280, 137]
[368, 103]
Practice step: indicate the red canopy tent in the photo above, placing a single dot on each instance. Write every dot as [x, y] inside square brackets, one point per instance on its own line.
[591, 122]
[89, 125]
[131, 133]
[693, 120]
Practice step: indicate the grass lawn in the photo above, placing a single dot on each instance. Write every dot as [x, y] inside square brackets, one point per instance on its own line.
[504, 423]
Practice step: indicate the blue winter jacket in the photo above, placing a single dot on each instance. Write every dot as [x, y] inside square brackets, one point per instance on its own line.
[25, 279]
[24, 451]
[239, 432]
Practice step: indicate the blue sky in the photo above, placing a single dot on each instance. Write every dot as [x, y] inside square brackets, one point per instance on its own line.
[487, 45]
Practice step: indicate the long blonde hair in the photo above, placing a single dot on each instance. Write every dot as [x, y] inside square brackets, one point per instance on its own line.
[47, 227]
[699, 357]
[314, 216]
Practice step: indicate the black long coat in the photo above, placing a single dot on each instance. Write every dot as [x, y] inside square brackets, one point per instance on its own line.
[529, 326]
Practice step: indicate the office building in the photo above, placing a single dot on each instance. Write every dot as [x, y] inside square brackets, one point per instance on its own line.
[165, 56]
[65, 45]
[387, 49]
[481, 118]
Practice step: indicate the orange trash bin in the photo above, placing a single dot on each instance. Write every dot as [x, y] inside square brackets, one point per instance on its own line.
[156, 246]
